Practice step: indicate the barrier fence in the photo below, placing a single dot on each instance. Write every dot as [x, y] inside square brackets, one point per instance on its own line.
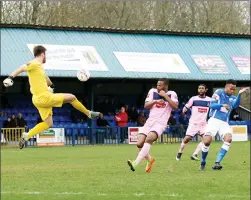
[92, 136]
[11, 136]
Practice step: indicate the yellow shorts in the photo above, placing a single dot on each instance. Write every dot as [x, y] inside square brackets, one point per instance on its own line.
[45, 101]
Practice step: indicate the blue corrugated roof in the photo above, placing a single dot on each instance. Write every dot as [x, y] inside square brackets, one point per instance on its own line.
[14, 51]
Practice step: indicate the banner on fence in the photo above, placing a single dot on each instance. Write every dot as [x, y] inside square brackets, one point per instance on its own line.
[133, 134]
[51, 137]
[240, 133]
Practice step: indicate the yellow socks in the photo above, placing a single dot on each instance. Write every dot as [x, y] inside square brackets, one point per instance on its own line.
[79, 106]
[39, 128]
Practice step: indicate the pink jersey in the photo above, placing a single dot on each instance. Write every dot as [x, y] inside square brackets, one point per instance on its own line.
[160, 112]
[200, 108]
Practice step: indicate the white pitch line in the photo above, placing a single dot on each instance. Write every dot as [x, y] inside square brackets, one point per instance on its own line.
[232, 196]
[139, 194]
[102, 194]
[12, 151]
[35, 193]
[229, 196]
[69, 193]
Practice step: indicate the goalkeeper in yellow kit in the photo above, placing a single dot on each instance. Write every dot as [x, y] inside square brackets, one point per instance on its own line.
[43, 98]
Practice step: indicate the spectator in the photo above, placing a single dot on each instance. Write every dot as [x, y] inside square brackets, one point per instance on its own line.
[20, 121]
[141, 119]
[101, 130]
[101, 122]
[7, 123]
[14, 121]
[122, 118]
[132, 114]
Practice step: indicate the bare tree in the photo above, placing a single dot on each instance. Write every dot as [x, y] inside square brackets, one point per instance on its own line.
[186, 16]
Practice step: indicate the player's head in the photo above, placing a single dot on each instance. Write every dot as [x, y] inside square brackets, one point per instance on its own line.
[39, 52]
[202, 89]
[230, 86]
[162, 84]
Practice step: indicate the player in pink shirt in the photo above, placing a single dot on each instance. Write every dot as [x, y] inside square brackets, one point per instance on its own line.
[200, 106]
[160, 101]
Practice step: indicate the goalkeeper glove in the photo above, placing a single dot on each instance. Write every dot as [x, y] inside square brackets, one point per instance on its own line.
[8, 81]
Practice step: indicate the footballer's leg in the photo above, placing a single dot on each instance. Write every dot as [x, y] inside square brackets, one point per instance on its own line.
[196, 152]
[227, 138]
[39, 128]
[140, 144]
[149, 159]
[199, 146]
[192, 130]
[184, 143]
[70, 98]
[212, 127]
[151, 137]
[207, 139]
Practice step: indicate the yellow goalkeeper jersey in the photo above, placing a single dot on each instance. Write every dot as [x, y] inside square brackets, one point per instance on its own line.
[37, 77]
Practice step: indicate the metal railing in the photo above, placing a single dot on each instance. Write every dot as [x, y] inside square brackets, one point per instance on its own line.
[11, 136]
[93, 136]
[244, 113]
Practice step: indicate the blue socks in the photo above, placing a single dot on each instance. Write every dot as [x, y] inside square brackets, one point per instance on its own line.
[204, 153]
[224, 149]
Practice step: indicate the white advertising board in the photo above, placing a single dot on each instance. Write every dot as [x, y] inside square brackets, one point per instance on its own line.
[151, 62]
[64, 57]
[240, 133]
[133, 134]
[51, 137]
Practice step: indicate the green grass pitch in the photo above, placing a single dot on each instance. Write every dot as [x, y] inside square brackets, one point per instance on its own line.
[101, 173]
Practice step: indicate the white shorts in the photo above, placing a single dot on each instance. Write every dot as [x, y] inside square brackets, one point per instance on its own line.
[194, 129]
[215, 126]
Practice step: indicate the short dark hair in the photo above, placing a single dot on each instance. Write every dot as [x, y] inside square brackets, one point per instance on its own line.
[203, 85]
[38, 50]
[165, 80]
[231, 81]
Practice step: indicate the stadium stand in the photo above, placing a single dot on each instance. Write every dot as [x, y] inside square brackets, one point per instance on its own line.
[128, 86]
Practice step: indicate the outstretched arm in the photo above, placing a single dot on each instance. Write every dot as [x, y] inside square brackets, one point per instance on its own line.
[9, 81]
[18, 71]
[237, 101]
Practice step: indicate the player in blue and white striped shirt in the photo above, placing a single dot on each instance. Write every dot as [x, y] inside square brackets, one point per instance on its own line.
[222, 103]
